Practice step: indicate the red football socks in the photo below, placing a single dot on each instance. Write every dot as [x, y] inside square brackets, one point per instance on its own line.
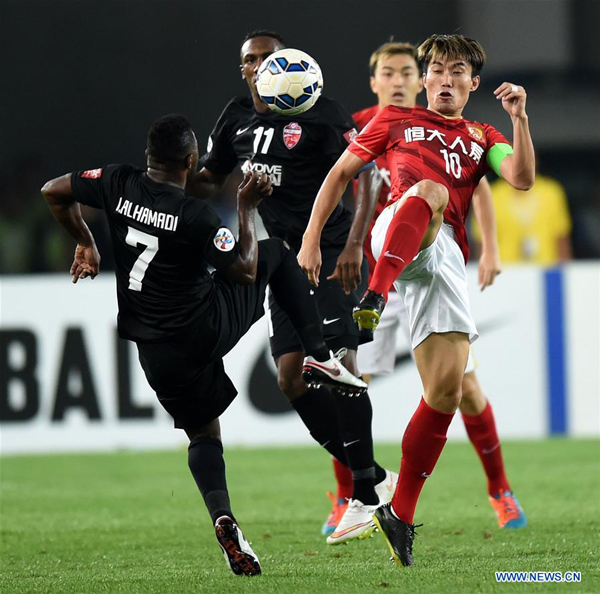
[422, 444]
[402, 242]
[343, 476]
[481, 430]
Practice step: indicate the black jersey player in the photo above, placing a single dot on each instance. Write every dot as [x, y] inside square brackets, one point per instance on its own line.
[297, 153]
[183, 319]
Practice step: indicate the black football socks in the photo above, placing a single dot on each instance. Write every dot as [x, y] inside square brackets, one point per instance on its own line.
[205, 459]
[355, 416]
[318, 412]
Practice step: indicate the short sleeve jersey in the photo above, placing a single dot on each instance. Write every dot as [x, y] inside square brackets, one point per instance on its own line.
[296, 152]
[420, 144]
[162, 243]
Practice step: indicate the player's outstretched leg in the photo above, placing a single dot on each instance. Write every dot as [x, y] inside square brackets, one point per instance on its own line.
[441, 359]
[355, 416]
[290, 289]
[480, 424]
[342, 425]
[205, 459]
[320, 413]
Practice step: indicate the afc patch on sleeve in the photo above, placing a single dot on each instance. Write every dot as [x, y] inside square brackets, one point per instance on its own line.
[224, 240]
[350, 135]
[92, 173]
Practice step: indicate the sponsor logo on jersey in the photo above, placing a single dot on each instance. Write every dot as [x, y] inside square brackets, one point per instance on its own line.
[92, 173]
[291, 135]
[422, 134]
[350, 135]
[476, 132]
[224, 240]
[273, 171]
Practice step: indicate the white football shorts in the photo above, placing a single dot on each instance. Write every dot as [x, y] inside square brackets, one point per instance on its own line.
[379, 356]
[433, 286]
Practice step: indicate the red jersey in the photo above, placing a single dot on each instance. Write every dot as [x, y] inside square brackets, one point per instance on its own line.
[421, 144]
[361, 119]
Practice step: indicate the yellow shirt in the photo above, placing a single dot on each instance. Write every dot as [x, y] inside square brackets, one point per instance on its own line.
[530, 223]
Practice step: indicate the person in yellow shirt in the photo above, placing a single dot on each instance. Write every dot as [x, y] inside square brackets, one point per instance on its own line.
[532, 226]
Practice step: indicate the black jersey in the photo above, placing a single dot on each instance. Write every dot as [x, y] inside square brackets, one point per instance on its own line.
[296, 152]
[162, 243]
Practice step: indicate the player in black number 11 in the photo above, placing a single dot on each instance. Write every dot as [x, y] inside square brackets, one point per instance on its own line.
[183, 319]
[297, 152]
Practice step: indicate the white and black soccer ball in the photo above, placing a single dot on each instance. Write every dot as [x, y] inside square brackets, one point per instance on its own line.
[289, 81]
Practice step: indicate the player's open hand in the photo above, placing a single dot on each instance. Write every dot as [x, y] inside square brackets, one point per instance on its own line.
[309, 259]
[86, 262]
[513, 98]
[489, 268]
[347, 268]
[254, 187]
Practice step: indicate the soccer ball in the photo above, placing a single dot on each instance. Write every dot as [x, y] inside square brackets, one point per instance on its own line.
[289, 81]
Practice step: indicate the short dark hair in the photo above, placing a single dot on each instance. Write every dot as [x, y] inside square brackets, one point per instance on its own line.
[171, 139]
[264, 33]
[454, 47]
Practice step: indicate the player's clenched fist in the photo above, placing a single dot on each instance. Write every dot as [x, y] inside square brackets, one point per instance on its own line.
[513, 98]
[254, 187]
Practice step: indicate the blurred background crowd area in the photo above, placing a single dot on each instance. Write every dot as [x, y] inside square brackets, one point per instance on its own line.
[86, 79]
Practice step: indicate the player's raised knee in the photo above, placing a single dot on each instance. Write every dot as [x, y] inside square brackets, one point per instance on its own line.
[434, 193]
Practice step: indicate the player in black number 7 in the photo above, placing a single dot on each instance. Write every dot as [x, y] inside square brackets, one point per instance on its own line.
[183, 319]
[297, 153]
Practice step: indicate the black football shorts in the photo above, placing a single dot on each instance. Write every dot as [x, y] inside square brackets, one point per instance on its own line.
[335, 309]
[187, 371]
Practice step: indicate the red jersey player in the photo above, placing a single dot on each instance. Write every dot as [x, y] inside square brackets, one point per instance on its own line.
[436, 159]
[395, 80]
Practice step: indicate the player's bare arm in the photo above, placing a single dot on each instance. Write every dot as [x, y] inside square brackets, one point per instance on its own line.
[347, 268]
[329, 196]
[489, 260]
[251, 191]
[517, 169]
[59, 196]
[204, 184]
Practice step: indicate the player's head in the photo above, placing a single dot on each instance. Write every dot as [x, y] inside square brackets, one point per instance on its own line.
[395, 77]
[172, 145]
[451, 65]
[257, 46]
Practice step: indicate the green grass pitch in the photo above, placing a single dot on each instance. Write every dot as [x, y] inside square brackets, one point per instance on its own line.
[134, 522]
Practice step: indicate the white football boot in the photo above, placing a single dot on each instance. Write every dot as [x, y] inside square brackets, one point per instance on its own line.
[385, 489]
[333, 374]
[357, 522]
